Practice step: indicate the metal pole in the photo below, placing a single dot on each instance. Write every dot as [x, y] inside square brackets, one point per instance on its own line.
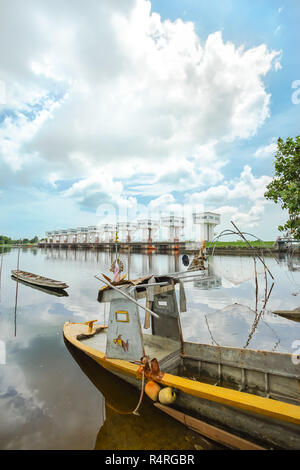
[127, 297]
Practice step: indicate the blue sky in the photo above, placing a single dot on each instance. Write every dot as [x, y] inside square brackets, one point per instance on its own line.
[133, 108]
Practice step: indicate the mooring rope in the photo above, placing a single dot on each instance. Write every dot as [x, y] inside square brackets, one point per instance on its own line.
[135, 411]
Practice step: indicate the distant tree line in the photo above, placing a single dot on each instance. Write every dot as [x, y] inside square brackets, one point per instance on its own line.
[9, 241]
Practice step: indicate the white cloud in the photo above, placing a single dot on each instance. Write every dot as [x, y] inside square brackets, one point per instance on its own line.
[266, 151]
[140, 105]
[246, 187]
[241, 200]
[245, 219]
[277, 29]
[17, 131]
[139, 87]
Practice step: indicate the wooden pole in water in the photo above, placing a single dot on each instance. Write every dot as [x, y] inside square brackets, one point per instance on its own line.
[2, 250]
[17, 288]
[129, 261]
[1, 271]
[244, 238]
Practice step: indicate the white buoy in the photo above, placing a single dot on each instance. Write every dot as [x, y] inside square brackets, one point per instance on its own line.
[166, 396]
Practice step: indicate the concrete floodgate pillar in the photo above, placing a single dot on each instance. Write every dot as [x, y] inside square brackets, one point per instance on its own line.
[148, 227]
[176, 226]
[207, 221]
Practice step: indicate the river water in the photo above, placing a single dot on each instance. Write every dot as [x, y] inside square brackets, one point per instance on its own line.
[54, 397]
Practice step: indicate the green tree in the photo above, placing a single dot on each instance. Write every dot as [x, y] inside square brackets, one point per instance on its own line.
[285, 187]
[5, 240]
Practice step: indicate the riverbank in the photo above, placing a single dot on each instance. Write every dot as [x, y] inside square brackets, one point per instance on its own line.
[229, 248]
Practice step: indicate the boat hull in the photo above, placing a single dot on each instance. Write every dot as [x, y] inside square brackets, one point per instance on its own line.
[47, 290]
[36, 280]
[274, 424]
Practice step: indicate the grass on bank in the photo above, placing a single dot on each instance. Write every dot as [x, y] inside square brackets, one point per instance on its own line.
[238, 243]
[241, 243]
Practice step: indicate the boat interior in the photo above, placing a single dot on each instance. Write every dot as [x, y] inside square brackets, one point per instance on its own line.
[163, 349]
[263, 373]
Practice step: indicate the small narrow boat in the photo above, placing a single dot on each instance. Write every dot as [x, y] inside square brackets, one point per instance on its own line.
[254, 394]
[37, 280]
[46, 290]
[289, 314]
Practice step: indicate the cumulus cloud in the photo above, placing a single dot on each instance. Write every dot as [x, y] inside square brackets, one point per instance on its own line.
[127, 105]
[266, 151]
[229, 199]
[247, 186]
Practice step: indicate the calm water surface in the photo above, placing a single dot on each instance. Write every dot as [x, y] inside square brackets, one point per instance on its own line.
[54, 397]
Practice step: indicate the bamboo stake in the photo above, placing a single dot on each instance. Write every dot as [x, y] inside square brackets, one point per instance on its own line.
[1, 271]
[127, 297]
[17, 289]
[244, 238]
[2, 254]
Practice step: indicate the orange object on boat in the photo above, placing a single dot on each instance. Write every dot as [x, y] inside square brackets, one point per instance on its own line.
[152, 389]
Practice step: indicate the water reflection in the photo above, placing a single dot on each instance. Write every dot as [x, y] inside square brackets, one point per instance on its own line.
[47, 402]
[49, 291]
[123, 431]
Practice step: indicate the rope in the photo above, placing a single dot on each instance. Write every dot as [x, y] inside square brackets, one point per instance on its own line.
[135, 411]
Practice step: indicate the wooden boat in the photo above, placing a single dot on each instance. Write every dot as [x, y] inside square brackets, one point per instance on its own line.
[37, 280]
[289, 314]
[254, 394]
[46, 290]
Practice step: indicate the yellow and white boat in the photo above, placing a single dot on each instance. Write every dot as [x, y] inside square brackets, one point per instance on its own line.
[254, 394]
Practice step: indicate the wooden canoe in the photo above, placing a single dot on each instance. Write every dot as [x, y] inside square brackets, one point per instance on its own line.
[46, 290]
[233, 389]
[37, 280]
[289, 314]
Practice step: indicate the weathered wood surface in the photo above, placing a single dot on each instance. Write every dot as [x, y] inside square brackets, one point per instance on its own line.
[261, 361]
[216, 434]
[264, 373]
[82, 330]
[106, 293]
[261, 418]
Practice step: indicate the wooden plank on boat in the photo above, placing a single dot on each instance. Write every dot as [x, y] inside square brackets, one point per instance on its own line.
[85, 329]
[216, 434]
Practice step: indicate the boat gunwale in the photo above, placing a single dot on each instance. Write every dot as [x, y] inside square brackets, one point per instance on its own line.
[267, 407]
